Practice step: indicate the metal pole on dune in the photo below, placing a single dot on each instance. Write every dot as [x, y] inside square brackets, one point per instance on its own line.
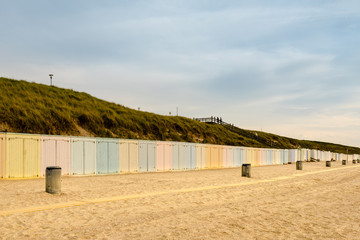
[51, 75]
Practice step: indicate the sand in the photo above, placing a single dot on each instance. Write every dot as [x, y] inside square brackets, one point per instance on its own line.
[278, 202]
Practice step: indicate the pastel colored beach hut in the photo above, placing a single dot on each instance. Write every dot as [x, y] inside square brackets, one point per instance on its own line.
[22, 155]
[128, 155]
[55, 151]
[107, 156]
[83, 155]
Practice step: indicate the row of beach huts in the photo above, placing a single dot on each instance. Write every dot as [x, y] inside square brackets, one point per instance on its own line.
[28, 155]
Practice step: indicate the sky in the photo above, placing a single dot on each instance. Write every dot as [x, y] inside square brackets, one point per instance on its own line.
[285, 67]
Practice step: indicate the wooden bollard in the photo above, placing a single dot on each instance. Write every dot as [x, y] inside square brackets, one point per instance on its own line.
[358, 160]
[328, 163]
[343, 162]
[53, 180]
[298, 165]
[354, 161]
[246, 170]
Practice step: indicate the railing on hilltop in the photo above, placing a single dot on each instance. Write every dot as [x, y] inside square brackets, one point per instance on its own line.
[214, 120]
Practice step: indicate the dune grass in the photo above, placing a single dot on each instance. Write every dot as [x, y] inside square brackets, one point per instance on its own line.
[36, 108]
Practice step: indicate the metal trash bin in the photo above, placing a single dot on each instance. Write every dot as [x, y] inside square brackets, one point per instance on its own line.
[299, 165]
[246, 170]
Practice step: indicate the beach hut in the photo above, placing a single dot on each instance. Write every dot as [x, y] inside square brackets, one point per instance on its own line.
[227, 155]
[22, 155]
[55, 151]
[244, 155]
[128, 156]
[163, 156]
[190, 156]
[268, 156]
[282, 156]
[313, 154]
[293, 155]
[83, 155]
[214, 156]
[256, 156]
[277, 158]
[200, 156]
[147, 156]
[241, 159]
[178, 156]
[232, 156]
[286, 155]
[107, 156]
[235, 160]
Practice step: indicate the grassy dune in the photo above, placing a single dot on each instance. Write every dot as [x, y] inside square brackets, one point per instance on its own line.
[36, 108]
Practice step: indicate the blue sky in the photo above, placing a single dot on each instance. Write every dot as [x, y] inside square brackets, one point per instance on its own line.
[286, 67]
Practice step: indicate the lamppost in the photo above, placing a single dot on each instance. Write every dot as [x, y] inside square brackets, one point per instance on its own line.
[51, 75]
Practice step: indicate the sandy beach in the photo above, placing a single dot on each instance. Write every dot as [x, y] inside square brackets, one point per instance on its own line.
[278, 202]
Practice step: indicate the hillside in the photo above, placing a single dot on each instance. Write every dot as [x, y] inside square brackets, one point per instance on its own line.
[36, 108]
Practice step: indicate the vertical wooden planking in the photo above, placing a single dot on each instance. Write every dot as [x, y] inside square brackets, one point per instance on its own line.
[175, 156]
[168, 156]
[278, 156]
[113, 147]
[257, 156]
[251, 157]
[221, 157]
[238, 157]
[2, 155]
[187, 156]
[245, 155]
[90, 156]
[208, 156]
[77, 157]
[22, 155]
[14, 157]
[32, 156]
[151, 156]
[193, 156]
[83, 155]
[200, 156]
[226, 156]
[143, 158]
[160, 156]
[55, 151]
[214, 156]
[107, 156]
[273, 156]
[241, 156]
[190, 156]
[102, 155]
[48, 153]
[163, 156]
[182, 156]
[147, 156]
[128, 155]
[63, 155]
[233, 157]
[261, 157]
